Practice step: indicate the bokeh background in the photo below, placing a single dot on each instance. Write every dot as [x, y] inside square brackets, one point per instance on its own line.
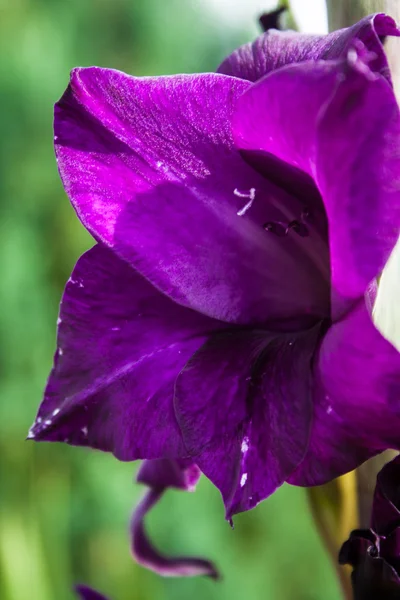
[64, 511]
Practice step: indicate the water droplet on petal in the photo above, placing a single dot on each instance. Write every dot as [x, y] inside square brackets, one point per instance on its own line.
[245, 445]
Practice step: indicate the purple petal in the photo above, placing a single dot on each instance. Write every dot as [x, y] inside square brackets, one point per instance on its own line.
[160, 475]
[275, 49]
[373, 576]
[339, 123]
[151, 168]
[357, 380]
[121, 344]
[86, 593]
[243, 403]
[386, 506]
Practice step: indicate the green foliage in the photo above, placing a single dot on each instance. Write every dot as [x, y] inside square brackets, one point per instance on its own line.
[64, 511]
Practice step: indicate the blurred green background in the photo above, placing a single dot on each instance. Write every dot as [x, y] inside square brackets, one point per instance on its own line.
[64, 511]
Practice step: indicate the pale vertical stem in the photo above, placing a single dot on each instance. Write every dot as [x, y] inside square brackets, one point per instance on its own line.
[335, 512]
[342, 13]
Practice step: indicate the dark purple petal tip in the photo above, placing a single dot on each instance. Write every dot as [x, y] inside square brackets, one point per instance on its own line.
[386, 507]
[87, 593]
[374, 553]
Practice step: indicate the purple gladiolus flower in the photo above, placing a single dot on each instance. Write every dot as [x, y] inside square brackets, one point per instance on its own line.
[223, 317]
[375, 553]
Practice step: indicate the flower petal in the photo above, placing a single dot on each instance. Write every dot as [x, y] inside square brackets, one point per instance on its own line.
[160, 475]
[243, 403]
[275, 49]
[349, 146]
[386, 506]
[151, 168]
[372, 577]
[356, 390]
[121, 344]
[87, 593]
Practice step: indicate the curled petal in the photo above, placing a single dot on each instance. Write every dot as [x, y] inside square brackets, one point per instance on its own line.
[276, 49]
[87, 593]
[160, 475]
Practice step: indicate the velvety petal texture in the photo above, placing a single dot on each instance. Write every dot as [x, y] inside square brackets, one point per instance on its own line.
[357, 382]
[121, 344]
[350, 150]
[276, 49]
[152, 170]
[159, 475]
